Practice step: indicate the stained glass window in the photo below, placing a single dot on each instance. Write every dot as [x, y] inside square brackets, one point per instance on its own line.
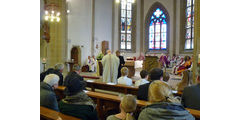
[189, 27]
[126, 25]
[158, 31]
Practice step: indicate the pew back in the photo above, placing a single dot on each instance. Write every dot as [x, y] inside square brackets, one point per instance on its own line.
[107, 102]
[116, 88]
[48, 114]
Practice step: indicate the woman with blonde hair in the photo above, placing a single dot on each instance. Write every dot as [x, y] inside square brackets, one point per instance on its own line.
[186, 81]
[163, 104]
[127, 106]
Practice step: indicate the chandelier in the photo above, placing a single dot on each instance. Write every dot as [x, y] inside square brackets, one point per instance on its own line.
[118, 1]
[51, 13]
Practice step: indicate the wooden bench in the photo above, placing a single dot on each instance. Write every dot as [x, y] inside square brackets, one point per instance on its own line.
[116, 88]
[91, 77]
[106, 102]
[49, 114]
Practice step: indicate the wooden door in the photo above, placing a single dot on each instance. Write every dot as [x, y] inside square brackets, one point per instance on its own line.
[74, 56]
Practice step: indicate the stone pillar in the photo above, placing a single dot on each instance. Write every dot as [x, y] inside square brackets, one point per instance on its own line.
[196, 50]
[56, 48]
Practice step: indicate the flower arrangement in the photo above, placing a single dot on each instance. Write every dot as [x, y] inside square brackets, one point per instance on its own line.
[100, 56]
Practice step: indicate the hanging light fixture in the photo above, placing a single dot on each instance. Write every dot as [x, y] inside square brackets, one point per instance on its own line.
[51, 13]
[132, 1]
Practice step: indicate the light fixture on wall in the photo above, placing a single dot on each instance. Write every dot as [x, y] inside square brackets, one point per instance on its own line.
[68, 11]
[52, 13]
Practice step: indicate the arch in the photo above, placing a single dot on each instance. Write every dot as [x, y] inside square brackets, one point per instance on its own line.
[76, 54]
[150, 12]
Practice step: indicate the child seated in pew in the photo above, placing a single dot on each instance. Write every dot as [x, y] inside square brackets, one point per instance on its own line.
[144, 76]
[77, 103]
[124, 79]
[164, 105]
[127, 106]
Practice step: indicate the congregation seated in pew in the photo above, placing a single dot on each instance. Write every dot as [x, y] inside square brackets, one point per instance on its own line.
[185, 82]
[77, 103]
[124, 78]
[143, 80]
[191, 94]
[58, 71]
[163, 104]
[74, 74]
[127, 106]
[106, 101]
[47, 95]
[155, 74]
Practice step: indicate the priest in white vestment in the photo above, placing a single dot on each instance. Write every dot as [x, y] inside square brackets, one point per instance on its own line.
[91, 64]
[110, 64]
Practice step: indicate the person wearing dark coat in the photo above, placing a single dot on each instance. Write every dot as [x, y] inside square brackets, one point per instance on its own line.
[191, 95]
[155, 74]
[74, 74]
[122, 62]
[58, 71]
[47, 95]
[77, 103]
[43, 74]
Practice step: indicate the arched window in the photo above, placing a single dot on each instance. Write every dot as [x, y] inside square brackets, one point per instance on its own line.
[189, 27]
[126, 24]
[158, 31]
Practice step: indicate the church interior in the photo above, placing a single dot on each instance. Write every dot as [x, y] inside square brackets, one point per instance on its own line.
[110, 50]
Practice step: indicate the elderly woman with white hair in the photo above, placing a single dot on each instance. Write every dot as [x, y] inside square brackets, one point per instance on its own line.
[47, 95]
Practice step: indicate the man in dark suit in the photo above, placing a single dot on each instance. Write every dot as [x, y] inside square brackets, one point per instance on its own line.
[74, 74]
[191, 95]
[155, 74]
[122, 62]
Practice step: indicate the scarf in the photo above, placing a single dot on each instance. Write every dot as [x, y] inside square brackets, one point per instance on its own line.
[80, 98]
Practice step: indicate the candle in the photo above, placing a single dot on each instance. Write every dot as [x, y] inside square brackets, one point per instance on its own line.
[44, 60]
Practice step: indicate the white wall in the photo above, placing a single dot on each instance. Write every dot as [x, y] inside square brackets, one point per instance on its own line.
[106, 26]
[103, 23]
[80, 27]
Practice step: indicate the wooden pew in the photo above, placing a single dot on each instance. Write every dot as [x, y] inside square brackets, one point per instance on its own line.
[49, 114]
[116, 88]
[107, 102]
[91, 77]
